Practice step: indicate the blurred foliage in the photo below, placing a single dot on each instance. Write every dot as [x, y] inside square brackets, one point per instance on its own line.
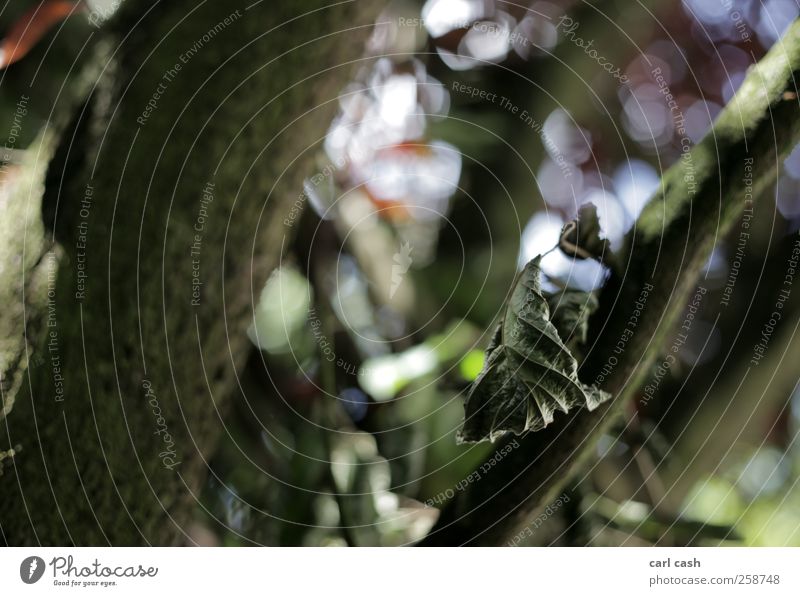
[407, 256]
[427, 201]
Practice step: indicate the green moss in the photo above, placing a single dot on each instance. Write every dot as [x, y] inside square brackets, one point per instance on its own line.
[145, 371]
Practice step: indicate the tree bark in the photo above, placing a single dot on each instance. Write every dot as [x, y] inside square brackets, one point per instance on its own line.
[674, 236]
[168, 197]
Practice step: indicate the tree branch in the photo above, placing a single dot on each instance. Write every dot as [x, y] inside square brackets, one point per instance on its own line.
[699, 199]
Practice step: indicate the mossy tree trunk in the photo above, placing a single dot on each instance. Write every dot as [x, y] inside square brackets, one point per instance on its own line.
[166, 199]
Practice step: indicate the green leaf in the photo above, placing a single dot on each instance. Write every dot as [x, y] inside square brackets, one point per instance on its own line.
[529, 373]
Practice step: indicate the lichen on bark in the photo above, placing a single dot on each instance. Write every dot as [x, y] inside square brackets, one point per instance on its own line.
[243, 109]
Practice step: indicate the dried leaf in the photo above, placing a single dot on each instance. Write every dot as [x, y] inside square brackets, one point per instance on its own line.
[569, 312]
[581, 239]
[34, 24]
[529, 373]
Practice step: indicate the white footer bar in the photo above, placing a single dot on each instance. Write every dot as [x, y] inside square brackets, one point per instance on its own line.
[401, 572]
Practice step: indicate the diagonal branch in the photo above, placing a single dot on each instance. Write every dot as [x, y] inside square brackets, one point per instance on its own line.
[699, 199]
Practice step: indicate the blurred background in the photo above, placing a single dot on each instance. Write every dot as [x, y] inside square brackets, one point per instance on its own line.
[473, 132]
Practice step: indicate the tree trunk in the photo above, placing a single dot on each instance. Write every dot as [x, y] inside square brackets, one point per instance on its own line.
[169, 199]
